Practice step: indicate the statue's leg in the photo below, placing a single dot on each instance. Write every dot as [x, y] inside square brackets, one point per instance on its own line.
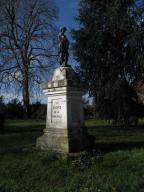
[63, 58]
[60, 59]
[66, 58]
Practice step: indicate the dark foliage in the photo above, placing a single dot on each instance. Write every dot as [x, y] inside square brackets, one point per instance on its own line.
[14, 110]
[109, 47]
[38, 110]
[1, 121]
[88, 111]
[2, 117]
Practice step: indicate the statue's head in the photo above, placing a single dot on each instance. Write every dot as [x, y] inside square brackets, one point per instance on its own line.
[63, 29]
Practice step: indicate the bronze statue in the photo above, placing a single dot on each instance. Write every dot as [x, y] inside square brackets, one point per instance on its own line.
[63, 47]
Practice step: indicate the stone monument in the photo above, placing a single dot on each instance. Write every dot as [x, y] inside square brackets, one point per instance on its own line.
[64, 127]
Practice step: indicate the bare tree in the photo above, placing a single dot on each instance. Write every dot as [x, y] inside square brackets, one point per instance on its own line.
[27, 42]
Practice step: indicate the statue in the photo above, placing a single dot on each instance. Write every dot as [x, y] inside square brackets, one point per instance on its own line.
[63, 47]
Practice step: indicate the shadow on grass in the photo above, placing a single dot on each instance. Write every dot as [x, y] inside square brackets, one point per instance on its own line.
[20, 131]
[29, 129]
[17, 143]
[111, 138]
[108, 147]
[106, 138]
[22, 127]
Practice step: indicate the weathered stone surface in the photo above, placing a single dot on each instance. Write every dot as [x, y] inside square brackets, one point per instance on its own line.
[63, 76]
[54, 139]
[65, 122]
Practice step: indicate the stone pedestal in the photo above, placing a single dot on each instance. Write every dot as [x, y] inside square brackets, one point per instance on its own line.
[65, 122]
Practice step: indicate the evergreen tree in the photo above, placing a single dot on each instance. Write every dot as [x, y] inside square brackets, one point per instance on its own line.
[109, 47]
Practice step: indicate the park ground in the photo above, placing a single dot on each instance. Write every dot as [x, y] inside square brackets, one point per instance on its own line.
[115, 165]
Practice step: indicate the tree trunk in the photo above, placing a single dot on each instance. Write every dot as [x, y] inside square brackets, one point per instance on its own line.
[25, 91]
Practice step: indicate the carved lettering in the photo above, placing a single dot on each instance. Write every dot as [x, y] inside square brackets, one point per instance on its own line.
[56, 107]
[56, 111]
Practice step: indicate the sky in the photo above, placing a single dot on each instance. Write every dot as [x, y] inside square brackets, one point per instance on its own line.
[67, 12]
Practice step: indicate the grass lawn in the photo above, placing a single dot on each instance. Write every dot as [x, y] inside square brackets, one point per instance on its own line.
[21, 125]
[105, 133]
[24, 169]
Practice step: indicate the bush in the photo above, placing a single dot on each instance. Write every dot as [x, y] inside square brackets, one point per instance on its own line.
[38, 110]
[2, 121]
[14, 109]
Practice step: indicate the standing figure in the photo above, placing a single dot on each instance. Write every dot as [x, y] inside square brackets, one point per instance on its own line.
[63, 47]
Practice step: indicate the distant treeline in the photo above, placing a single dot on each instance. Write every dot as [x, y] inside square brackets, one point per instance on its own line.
[131, 112]
[14, 110]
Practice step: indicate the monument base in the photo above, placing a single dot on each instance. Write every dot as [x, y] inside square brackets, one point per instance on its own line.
[65, 132]
[60, 140]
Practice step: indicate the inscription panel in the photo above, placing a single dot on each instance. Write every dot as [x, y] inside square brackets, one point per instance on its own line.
[57, 110]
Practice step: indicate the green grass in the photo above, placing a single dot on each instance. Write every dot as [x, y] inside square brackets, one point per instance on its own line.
[105, 133]
[97, 122]
[25, 125]
[24, 169]
[117, 135]
[33, 171]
